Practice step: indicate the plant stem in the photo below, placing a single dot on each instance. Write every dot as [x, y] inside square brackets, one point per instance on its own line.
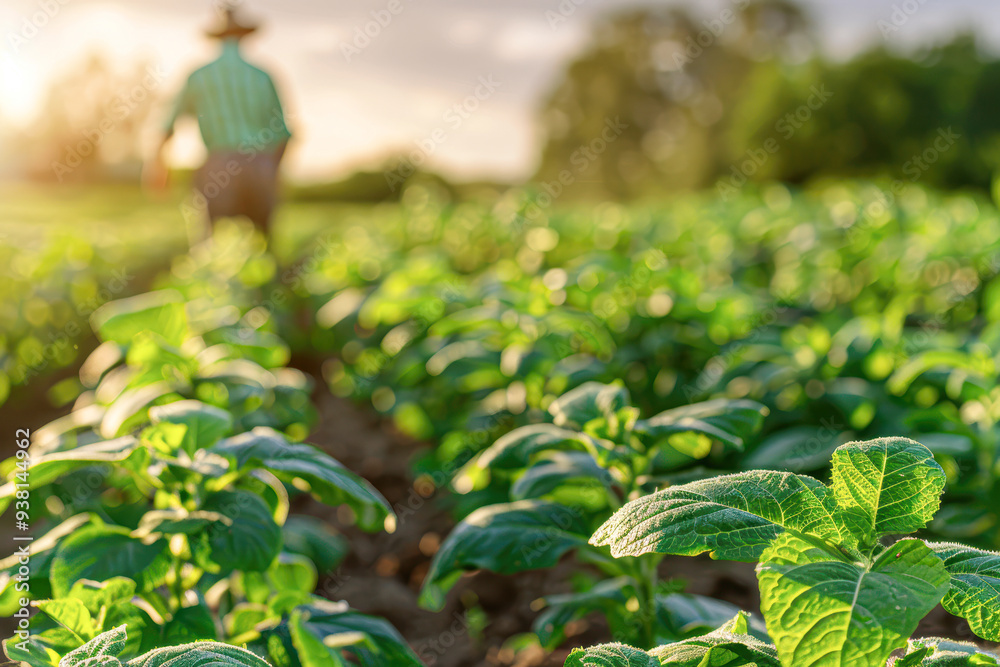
[647, 583]
[177, 588]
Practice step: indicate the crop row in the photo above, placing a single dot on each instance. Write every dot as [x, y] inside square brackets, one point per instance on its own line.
[847, 316]
[167, 491]
[582, 328]
[50, 284]
[569, 365]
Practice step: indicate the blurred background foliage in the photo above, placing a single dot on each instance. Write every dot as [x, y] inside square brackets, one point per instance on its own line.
[95, 119]
[661, 99]
[744, 93]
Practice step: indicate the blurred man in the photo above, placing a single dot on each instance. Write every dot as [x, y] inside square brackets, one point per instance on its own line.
[243, 126]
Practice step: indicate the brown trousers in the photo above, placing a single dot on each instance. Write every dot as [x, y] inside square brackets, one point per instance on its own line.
[234, 184]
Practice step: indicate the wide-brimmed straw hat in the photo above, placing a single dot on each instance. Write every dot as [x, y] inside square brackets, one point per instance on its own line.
[231, 25]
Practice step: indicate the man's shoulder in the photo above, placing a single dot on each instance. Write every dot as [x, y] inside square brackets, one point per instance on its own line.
[228, 64]
[257, 71]
[201, 71]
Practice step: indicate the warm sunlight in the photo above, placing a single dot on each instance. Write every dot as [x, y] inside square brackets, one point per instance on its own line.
[21, 89]
[343, 84]
[500, 333]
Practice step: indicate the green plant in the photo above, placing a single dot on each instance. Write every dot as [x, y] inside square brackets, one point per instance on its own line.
[834, 589]
[52, 277]
[171, 483]
[103, 651]
[561, 480]
[731, 646]
[464, 322]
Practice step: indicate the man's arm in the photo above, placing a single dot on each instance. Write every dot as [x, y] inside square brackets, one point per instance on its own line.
[155, 175]
[277, 122]
[279, 152]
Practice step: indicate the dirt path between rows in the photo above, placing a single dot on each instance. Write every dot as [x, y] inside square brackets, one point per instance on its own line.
[383, 573]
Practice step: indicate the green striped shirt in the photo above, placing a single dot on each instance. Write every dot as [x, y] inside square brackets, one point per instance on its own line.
[236, 104]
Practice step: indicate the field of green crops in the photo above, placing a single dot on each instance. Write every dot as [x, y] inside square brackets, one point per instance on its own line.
[802, 380]
[65, 253]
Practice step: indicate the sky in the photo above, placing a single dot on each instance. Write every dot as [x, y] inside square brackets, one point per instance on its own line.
[462, 79]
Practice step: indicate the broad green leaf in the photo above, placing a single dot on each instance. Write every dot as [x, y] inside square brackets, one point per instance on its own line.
[242, 380]
[729, 421]
[164, 437]
[938, 652]
[926, 361]
[315, 540]
[161, 312]
[823, 609]
[110, 643]
[914, 656]
[100, 661]
[292, 572]
[252, 585]
[95, 595]
[206, 424]
[151, 360]
[38, 650]
[70, 613]
[143, 632]
[205, 464]
[243, 620]
[887, 486]
[467, 364]
[798, 449]
[129, 409]
[261, 347]
[610, 655]
[51, 467]
[685, 614]
[65, 432]
[516, 449]
[738, 624]
[975, 587]
[505, 538]
[310, 649]
[99, 553]
[199, 654]
[371, 641]
[248, 539]
[559, 469]
[43, 550]
[190, 624]
[609, 596]
[306, 466]
[588, 401]
[283, 602]
[178, 521]
[733, 517]
[721, 648]
[9, 597]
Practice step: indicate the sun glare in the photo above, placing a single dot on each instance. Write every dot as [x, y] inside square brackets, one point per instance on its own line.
[32, 60]
[20, 89]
